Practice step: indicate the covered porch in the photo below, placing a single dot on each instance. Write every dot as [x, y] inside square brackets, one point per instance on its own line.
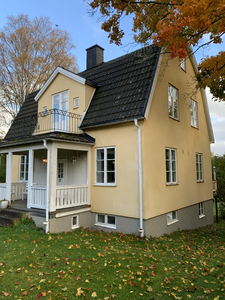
[52, 175]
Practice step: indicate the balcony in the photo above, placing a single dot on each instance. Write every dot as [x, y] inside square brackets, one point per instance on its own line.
[57, 120]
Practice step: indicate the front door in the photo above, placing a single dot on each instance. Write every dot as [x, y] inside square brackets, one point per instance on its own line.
[60, 114]
[61, 172]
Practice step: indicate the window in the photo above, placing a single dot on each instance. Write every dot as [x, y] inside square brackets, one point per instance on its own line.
[60, 120]
[183, 64]
[106, 220]
[201, 210]
[45, 111]
[173, 102]
[23, 168]
[193, 111]
[199, 168]
[105, 166]
[172, 217]
[76, 102]
[171, 166]
[75, 222]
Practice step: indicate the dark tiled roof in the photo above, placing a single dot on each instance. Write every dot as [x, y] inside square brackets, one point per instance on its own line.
[20, 127]
[125, 85]
[78, 138]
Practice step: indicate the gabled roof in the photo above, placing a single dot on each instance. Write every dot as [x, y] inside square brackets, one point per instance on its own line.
[124, 88]
[67, 73]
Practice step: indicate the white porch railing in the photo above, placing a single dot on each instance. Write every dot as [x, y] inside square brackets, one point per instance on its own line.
[17, 188]
[3, 189]
[71, 196]
[38, 197]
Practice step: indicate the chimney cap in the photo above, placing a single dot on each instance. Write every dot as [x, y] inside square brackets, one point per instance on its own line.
[96, 45]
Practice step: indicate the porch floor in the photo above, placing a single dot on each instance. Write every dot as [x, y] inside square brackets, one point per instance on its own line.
[19, 204]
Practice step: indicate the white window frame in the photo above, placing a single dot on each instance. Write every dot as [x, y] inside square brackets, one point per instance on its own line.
[183, 64]
[201, 209]
[74, 226]
[199, 167]
[171, 170]
[172, 217]
[173, 99]
[194, 113]
[61, 122]
[105, 223]
[76, 102]
[105, 183]
[26, 168]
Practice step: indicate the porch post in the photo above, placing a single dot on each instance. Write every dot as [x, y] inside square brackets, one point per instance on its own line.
[8, 176]
[89, 175]
[30, 176]
[52, 179]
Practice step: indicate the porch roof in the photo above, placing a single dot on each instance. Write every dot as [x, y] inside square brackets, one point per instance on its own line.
[76, 138]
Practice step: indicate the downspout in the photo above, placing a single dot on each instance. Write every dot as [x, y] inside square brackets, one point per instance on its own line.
[141, 230]
[46, 223]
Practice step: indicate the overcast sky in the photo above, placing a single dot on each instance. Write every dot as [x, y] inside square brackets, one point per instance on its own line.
[85, 30]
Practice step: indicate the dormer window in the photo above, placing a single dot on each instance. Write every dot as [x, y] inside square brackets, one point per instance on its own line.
[76, 102]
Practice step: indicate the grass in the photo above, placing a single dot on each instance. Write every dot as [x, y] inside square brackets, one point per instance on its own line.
[87, 265]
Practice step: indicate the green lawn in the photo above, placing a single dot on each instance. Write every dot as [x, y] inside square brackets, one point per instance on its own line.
[86, 264]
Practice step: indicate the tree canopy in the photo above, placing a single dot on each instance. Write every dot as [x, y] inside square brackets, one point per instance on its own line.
[174, 25]
[29, 52]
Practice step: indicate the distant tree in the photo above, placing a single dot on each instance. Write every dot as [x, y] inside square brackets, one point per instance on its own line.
[29, 52]
[219, 163]
[174, 25]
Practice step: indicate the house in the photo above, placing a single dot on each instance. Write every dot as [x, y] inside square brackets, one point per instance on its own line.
[123, 146]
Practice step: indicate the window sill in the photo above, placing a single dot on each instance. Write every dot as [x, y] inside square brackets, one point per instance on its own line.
[200, 181]
[194, 127]
[104, 184]
[75, 227]
[201, 216]
[172, 183]
[172, 222]
[174, 118]
[106, 226]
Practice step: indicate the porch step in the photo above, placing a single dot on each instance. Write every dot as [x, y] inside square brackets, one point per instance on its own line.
[10, 216]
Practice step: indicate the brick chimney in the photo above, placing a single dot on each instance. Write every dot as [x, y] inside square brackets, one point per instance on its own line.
[95, 56]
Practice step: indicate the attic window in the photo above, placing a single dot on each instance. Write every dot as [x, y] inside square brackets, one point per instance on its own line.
[76, 102]
[183, 64]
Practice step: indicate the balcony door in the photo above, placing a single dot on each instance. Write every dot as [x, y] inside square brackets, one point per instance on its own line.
[60, 117]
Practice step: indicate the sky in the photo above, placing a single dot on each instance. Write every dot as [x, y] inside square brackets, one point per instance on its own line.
[85, 29]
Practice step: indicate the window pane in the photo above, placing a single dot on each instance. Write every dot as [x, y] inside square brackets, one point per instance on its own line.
[110, 165]
[100, 154]
[22, 159]
[74, 220]
[110, 177]
[173, 153]
[174, 176]
[100, 165]
[167, 165]
[111, 220]
[168, 177]
[174, 166]
[174, 214]
[56, 101]
[167, 154]
[110, 153]
[101, 218]
[176, 109]
[100, 177]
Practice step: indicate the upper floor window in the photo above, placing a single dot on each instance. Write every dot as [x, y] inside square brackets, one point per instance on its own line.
[194, 113]
[171, 166]
[173, 102]
[183, 64]
[105, 166]
[76, 102]
[199, 168]
[45, 111]
[23, 168]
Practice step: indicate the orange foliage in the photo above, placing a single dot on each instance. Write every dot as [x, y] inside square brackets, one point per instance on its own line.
[173, 25]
